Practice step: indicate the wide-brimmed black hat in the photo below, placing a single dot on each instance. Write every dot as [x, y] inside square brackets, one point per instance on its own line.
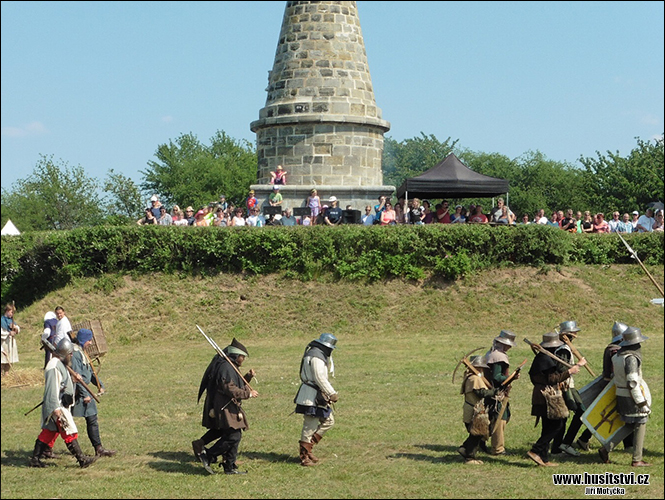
[237, 348]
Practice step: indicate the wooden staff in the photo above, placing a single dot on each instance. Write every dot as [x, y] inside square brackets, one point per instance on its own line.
[93, 368]
[540, 348]
[577, 353]
[633, 254]
[223, 354]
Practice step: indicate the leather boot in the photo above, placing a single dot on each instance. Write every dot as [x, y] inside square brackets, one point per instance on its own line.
[83, 460]
[198, 447]
[305, 450]
[100, 451]
[48, 452]
[315, 440]
[34, 460]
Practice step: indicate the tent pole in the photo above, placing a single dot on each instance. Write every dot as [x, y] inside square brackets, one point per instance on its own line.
[406, 208]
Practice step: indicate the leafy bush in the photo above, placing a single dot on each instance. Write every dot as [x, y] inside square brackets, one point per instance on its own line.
[34, 264]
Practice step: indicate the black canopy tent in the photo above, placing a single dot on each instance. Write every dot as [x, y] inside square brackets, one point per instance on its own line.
[452, 179]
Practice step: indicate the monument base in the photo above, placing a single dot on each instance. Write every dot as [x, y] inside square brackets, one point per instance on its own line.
[354, 197]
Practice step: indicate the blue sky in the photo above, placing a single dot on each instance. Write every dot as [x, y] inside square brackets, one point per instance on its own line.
[103, 84]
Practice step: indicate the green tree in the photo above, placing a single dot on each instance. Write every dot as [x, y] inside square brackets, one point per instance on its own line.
[626, 184]
[411, 157]
[187, 172]
[124, 201]
[54, 196]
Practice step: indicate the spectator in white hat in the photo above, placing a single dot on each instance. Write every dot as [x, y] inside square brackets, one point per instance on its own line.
[333, 216]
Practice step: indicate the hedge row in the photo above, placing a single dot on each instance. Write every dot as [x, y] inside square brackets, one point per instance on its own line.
[34, 264]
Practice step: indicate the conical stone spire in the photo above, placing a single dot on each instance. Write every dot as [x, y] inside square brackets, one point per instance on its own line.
[320, 120]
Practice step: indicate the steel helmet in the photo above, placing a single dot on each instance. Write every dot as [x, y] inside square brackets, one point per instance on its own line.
[478, 361]
[506, 337]
[328, 340]
[633, 335]
[617, 331]
[64, 348]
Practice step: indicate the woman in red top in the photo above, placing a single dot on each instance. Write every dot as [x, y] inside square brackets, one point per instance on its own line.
[388, 215]
[599, 224]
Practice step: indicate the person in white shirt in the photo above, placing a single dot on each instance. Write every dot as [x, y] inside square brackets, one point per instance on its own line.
[368, 217]
[645, 222]
[614, 222]
[63, 327]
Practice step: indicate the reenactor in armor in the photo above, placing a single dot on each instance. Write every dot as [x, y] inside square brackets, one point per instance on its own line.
[57, 419]
[633, 396]
[568, 331]
[546, 375]
[315, 395]
[498, 367]
[474, 412]
[608, 372]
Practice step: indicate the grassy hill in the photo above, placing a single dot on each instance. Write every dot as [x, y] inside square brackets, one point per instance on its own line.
[398, 421]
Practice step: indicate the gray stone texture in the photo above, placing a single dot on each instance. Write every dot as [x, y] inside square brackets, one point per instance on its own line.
[320, 120]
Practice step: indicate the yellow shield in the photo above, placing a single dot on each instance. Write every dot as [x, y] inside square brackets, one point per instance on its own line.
[602, 417]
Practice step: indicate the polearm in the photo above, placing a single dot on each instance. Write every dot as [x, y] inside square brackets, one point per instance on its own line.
[223, 354]
[30, 411]
[577, 353]
[50, 347]
[541, 349]
[633, 254]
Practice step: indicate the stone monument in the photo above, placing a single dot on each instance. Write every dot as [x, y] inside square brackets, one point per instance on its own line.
[320, 120]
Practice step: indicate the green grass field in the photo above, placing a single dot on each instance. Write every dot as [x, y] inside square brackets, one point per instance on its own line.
[398, 421]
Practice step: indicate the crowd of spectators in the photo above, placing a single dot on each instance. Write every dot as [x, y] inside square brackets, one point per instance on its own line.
[385, 213]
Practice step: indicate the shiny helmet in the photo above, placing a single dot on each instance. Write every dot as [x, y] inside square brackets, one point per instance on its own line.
[617, 331]
[478, 361]
[551, 339]
[632, 335]
[506, 337]
[328, 340]
[569, 328]
[64, 349]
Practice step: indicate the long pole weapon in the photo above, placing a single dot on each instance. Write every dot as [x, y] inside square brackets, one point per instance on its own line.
[223, 354]
[93, 368]
[539, 348]
[633, 254]
[30, 411]
[577, 354]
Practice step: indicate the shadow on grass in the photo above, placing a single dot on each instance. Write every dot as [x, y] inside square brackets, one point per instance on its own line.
[449, 454]
[15, 458]
[178, 461]
[185, 462]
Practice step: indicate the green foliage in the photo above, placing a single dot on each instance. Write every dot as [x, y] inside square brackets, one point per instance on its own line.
[616, 183]
[124, 198]
[412, 157]
[187, 172]
[54, 196]
[37, 263]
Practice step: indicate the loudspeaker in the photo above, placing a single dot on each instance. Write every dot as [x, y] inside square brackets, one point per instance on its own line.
[272, 210]
[302, 211]
[351, 217]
